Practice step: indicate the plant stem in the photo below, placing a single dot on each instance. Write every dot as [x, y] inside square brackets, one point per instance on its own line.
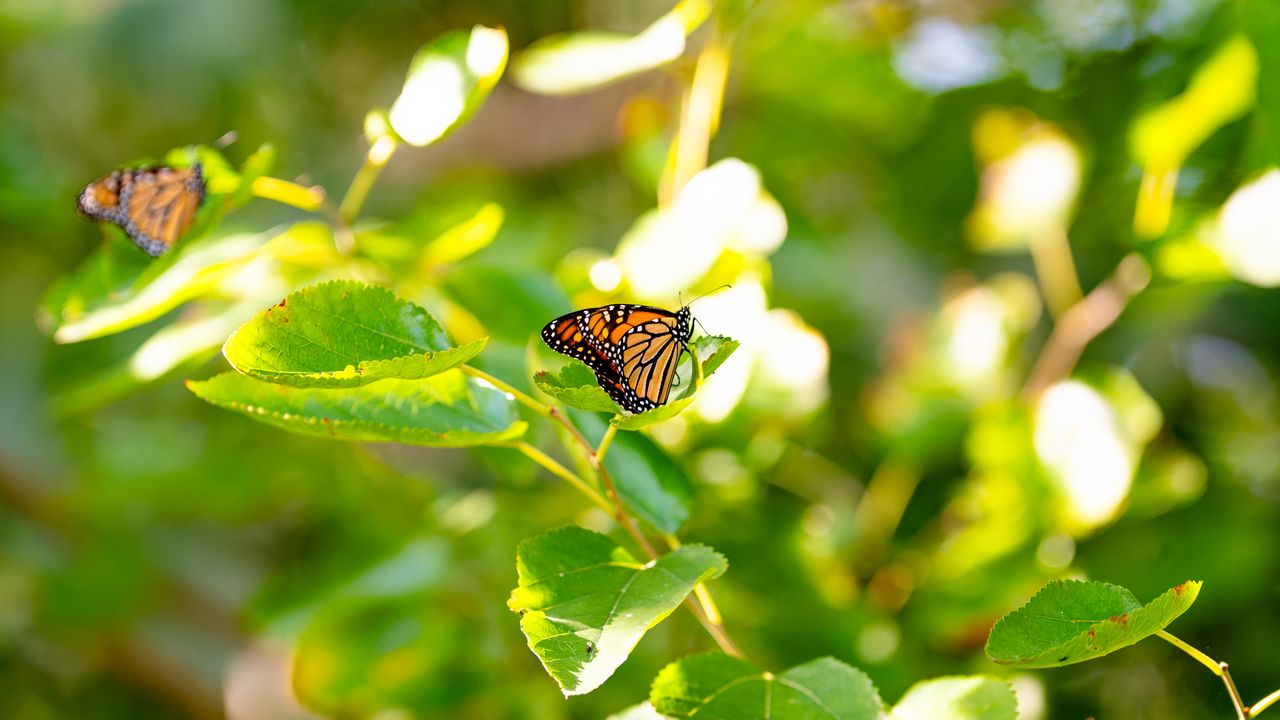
[620, 509]
[521, 397]
[376, 159]
[606, 441]
[699, 117]
[562, 472]
[709, 618]
[1083, 322]
[1155, 202]
[1264, 703]
[1056, 270]
[1215, 667]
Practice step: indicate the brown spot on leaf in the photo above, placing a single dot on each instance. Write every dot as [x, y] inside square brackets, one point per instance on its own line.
[282, 302]
[1122, 619]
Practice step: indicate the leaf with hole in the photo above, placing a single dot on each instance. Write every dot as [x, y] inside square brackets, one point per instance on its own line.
[1070, 621]
[714, 686]
[585, 602]
[446, 410]
[343, 334]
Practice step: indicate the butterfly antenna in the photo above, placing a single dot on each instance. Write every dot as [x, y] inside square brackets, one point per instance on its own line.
[709, 292]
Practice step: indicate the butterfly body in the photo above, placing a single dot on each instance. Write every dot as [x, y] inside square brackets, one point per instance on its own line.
[154, 206]
[633, 349]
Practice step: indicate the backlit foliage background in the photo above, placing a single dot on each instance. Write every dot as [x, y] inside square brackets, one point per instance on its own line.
[909, 199]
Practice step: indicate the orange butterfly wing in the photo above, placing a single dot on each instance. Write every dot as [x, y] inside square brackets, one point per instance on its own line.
[633, 349]
[154, 206]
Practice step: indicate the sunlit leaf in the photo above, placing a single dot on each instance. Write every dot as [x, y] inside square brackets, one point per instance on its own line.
[343, 334]
[443, 410]
[715, 686]
[585, 602]
[1070, 621]
[1222, 89]
[958, 698]
[466, 238]
[192, 338]
[448, 81]
[723, 207]
[105, 297]
[576, 62]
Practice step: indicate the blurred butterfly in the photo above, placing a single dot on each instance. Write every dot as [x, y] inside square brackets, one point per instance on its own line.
[633, 349]
[154, 206]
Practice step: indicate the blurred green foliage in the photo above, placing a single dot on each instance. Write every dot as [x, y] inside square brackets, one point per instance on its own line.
[1003, 278]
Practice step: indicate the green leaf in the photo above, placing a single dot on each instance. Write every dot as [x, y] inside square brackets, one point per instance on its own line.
[1222, 90]
[343, 334]
[452, 232]
[712, 352]
[448, 81]
[652, 485]
[510, 304]
[446, 410]
[585, 602]
[575, 385]
[466, 238]
[1070, 621]
[958, 698]
[715, 686]
[576, 62]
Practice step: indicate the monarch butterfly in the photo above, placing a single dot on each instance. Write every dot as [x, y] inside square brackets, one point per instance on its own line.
[154, 206]
[633, 349]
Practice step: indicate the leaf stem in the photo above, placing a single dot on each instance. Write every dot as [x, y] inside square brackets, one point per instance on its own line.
[1264, 703]
[561, 472]
[1056, 270]
[1213, 665]
[521, 397]
[711, 617]
[620, 508]
[1217, 668]
[606, 441]
[699, 118]
[1084, 321]
[374, 160]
